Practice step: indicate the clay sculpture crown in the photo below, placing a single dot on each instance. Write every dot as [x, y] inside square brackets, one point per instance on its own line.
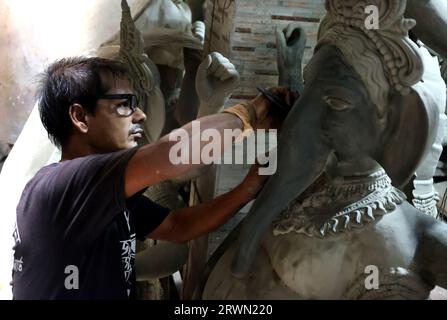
[383, 57]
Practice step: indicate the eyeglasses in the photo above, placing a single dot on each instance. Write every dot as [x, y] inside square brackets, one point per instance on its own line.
[126, 108]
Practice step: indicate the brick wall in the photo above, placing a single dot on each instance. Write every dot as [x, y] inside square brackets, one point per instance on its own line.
[244, 30]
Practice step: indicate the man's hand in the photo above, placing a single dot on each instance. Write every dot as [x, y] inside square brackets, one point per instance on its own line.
[253, 182]
[216, 79]
[268, 115]
[188, 223]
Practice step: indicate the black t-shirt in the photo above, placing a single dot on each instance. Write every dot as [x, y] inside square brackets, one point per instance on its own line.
[75, 232]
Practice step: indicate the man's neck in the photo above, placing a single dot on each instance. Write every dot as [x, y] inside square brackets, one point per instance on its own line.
[68, 155]
[76, 149]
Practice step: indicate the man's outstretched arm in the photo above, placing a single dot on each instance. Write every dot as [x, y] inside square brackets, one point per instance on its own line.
[185, 224]
[151, 164]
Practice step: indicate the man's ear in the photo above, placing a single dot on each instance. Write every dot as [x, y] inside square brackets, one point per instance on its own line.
[79, 117]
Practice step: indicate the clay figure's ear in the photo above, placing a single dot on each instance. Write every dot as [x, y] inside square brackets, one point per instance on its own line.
[405, 148]
[417, 123]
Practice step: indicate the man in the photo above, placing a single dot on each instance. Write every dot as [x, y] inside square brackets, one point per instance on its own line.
[77, 220]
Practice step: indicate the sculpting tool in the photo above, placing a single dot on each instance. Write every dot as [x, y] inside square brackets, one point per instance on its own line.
[276, 100]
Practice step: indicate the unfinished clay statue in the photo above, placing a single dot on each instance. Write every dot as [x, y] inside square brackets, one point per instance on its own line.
[425, 196]
[175, 45]
[290, 44]
[174, 42]
[367, 116]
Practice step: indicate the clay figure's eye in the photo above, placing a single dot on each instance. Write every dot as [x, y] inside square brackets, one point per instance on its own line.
[337, 103]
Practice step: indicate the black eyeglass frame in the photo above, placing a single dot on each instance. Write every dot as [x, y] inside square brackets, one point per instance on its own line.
[128, 96]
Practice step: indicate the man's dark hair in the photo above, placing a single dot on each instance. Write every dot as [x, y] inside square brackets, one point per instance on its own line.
[68, 81]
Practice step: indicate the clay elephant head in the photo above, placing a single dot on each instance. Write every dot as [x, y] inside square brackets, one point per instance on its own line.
[363, 101]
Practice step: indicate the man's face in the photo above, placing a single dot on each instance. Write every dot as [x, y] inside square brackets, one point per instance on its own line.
[110, 131]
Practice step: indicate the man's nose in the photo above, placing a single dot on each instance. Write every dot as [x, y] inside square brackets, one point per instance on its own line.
[139, 116]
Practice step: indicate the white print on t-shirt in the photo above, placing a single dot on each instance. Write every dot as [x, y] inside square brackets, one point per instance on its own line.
[18, 263]
[128, 252]
[127, 255]
[16, 234]
[127, 216]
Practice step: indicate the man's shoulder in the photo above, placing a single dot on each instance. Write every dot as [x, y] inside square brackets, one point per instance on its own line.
[43, 173]
[93, 160]
[100, 172]
[61, 170]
